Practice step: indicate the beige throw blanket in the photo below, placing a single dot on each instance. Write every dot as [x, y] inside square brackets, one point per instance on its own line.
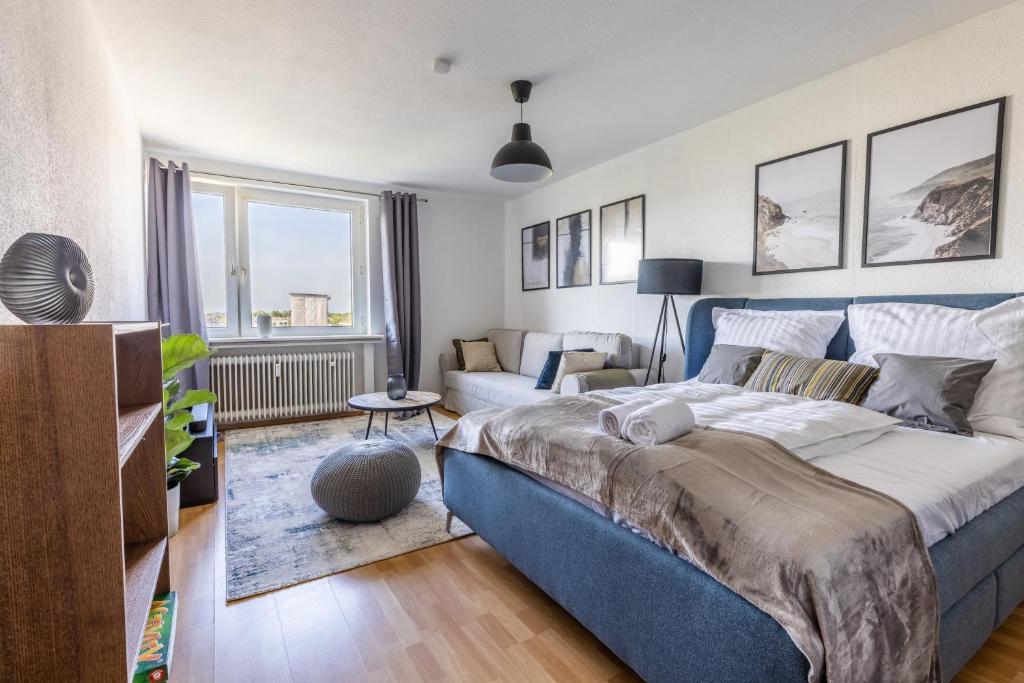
[840, 567]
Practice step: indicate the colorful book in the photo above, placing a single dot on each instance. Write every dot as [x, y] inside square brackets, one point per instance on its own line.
[154, 662]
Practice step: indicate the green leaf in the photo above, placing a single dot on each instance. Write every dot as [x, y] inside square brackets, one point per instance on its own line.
[181, 351]
[192, 397]
[178, 420]
[176, 441]
[171, 389]
[179, 469]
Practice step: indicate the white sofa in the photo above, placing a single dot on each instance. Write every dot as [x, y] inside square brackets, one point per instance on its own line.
[522, 355]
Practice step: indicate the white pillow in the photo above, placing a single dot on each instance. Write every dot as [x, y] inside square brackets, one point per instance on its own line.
[577, 361]
[801, 333]
[930, 330]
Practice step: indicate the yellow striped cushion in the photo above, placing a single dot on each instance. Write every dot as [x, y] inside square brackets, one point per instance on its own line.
[817, 378]
[480, 356]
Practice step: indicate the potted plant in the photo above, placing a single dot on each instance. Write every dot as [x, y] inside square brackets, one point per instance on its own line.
[180, 352]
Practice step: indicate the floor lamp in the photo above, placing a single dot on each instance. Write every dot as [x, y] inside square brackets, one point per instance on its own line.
[668, 277]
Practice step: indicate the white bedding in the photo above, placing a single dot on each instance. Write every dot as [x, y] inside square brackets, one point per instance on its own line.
[944, 479]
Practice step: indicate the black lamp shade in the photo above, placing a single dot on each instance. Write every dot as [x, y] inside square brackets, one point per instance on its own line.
[670, 276]
[522, 160]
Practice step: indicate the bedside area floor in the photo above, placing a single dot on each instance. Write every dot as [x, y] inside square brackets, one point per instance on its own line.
[453, 612]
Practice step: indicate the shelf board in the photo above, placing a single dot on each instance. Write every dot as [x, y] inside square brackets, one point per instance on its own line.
[142, 565]
[133, 327]
[132, 424]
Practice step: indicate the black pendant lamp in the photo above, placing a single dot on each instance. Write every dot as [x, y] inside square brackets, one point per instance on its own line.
[522, 160]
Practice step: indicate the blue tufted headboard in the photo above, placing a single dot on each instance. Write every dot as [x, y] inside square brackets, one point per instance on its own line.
[700, 333]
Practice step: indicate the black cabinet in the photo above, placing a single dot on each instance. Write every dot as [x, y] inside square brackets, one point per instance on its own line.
[200, 487]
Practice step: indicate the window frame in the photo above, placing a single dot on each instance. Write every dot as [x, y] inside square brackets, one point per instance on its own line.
[237, 269]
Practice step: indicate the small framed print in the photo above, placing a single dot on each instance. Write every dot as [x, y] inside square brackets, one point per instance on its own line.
[800, 211]
[622, 240]
[536, 256]
[572, 250]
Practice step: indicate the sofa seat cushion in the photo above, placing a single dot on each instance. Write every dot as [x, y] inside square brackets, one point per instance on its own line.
[619, 347]
[536, 346]
[497, 388]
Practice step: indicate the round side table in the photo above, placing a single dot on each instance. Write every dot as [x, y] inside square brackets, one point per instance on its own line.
[380, 403]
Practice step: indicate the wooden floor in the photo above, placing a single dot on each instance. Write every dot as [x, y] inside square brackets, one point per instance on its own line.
[455, 611]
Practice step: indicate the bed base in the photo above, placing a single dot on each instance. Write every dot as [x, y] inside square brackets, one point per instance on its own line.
[670, 621]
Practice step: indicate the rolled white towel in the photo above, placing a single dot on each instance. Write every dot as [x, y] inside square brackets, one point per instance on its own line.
[661, 421]
[612, 419]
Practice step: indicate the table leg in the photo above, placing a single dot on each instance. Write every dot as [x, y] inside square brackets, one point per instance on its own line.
[386, 416]
[368, 424]
[431, 418]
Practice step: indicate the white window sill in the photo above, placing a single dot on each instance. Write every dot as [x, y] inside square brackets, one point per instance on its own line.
[236, 342]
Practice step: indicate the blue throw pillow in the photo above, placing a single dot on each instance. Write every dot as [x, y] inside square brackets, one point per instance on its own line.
[547, 374]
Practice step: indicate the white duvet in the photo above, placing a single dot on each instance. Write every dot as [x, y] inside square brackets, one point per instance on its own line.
[944, 479]
[807, 428]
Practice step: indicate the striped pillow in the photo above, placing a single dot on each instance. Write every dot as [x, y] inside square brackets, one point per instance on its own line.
[480, 356]
[820, 379]
[801, 333]
[913, 329]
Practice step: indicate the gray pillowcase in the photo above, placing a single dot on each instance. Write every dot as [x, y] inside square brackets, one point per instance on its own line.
[927, 392]
[729, 364]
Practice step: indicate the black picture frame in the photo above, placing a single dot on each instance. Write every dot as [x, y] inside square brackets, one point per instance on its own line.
[643, 236]
[840, 261]
[590, 250]
[1000, 103]
[522, 255]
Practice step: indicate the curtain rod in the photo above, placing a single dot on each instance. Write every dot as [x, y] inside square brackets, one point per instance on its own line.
[280, 182]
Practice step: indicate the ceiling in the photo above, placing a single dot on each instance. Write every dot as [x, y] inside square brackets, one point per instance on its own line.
[344, 88]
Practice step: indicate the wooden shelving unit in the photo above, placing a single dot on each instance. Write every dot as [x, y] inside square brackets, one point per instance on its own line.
[83, 521]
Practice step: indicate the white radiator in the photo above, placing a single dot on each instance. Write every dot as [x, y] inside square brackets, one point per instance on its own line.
[270, 386]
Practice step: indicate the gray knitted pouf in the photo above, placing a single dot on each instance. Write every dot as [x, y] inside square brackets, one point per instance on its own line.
[366, 481]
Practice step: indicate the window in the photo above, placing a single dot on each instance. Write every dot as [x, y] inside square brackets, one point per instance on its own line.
[301, 259]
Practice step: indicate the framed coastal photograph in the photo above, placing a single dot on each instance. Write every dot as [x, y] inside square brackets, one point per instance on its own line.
[932, 189]
[622, 240]
[536, 246]
[572, 250]
[799, 211]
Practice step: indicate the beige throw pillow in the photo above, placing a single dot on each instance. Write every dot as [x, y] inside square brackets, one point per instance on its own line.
[480, 356]
[577, 361]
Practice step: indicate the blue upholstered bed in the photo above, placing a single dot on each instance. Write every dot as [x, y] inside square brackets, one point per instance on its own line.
[679, 624]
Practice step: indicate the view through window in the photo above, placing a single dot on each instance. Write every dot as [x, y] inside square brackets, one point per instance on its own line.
[294, 257]
[208, 214]
[301, 265]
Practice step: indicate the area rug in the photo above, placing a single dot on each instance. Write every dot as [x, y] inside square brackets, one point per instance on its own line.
[276, 536]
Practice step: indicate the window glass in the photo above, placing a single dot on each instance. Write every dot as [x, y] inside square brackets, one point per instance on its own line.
[208, 211]
[300, 265]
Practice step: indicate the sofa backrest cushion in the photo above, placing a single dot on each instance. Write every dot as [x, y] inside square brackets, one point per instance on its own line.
[508, 345]
[619, 347]
[536, 346]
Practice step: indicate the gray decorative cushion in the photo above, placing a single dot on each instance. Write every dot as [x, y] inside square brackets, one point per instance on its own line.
[926, 391]
[508, 345]
[619, 347]
[366, 481]
[729, 364]
[535, 351]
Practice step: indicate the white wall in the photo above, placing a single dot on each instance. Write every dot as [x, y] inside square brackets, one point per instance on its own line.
[70, 158]
[700, 184]
[461, 259]
[461, 271]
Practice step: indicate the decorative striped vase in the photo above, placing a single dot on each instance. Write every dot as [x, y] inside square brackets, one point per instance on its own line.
[46, 279]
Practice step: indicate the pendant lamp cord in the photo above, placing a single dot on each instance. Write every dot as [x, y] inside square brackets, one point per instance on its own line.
[520, 112]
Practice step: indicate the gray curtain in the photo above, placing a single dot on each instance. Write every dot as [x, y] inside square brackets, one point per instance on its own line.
[173, 295]
[400, 252]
